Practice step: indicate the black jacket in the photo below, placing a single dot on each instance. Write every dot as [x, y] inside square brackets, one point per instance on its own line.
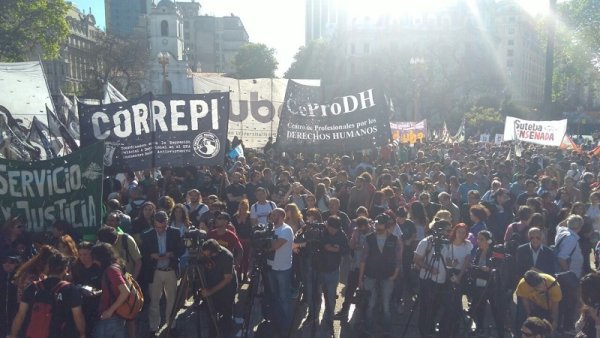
[150, 246]
[545, 260]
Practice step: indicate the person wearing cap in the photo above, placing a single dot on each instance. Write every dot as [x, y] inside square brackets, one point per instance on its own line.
[379, 268]
[161, 248]
[224, 234]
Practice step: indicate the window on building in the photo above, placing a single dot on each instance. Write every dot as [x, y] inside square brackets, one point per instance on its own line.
[511, 42]
[509, 63]
[511, 30]
[164, 28]
[510, 52]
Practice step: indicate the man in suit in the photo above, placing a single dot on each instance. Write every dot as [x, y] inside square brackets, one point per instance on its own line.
[161, 249]
[535, 255]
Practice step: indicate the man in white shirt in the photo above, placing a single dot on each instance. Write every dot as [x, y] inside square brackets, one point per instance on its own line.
[280, 274]
[259, 211]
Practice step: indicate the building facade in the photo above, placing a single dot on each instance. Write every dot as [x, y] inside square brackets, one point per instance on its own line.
[522, 53]
[322, 18]
[122, 16]
[77, 62]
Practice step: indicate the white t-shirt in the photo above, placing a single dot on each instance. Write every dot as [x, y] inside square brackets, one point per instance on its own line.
[593, 213]
[425, 245]
[459, 252]
[283, 255]
[261, 211]
[397, 231]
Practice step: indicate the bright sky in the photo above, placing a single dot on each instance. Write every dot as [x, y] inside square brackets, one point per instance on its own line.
[280, 24]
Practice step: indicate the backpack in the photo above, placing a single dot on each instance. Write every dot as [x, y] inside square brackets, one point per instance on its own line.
[134, 302]
[194, 215]
[41, 322]
[268, 202]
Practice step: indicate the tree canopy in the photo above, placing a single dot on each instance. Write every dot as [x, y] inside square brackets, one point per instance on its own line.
[255, 60]
[311, 62]
[26, 25]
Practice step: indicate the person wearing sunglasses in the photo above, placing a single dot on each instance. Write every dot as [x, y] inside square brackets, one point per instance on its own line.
[535, 327]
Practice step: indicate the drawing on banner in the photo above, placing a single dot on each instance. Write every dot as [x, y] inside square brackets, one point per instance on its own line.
[207, 145]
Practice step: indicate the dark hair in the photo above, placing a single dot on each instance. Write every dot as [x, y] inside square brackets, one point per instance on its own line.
[590, 289]
[161, 217]
[361, 220]
[212, 245]
[57, 263]
[538, 326]
[334, 222]
[479, 211]
[104, 254]
[524, 213]
[533, 278]
[401, 212]
[487, 234]
[107, 234]
[85, 245]
[113, 204]
[418, 213]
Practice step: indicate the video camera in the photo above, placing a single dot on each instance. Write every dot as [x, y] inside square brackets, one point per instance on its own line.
[439, 235]
[193, 239]
[262, 236]
[313, 233]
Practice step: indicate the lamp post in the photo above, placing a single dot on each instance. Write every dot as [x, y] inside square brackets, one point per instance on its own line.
[163, 60]
[419, 64]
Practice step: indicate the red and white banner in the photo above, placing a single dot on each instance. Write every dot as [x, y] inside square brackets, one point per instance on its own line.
[548, 133]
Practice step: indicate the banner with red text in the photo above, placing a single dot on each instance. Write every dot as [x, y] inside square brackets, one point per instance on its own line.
[547, 133]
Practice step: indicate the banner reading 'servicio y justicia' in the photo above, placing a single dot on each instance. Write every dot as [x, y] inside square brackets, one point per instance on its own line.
[548, 133]
[162, 131]
[357, 121]
[67, 188]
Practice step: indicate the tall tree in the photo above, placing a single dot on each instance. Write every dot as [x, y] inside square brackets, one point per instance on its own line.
[122, 62]
[26, 25]
[312, 61]
[255, 60]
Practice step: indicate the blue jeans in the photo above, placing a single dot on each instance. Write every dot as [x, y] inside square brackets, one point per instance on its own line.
[328, 281]
[113, 327]
[382, 288]
[280, 296]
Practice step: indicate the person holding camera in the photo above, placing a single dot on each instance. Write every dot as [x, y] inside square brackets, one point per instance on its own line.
[280, 273]
[334, 244]
[226, 237]
[429, 258]
[221, 284]
[485, 285]
[379, 268]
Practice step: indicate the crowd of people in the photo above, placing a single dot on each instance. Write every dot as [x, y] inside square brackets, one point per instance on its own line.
[445, 231]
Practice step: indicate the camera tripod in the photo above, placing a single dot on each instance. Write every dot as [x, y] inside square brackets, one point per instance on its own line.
[256, 281]
[436, 261]
[192, 279]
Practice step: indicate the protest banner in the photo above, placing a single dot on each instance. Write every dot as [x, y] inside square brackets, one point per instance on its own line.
[163, 131]
[67, 188]
[255, 105]
[547, 133]
[356, 121]
[409, 132]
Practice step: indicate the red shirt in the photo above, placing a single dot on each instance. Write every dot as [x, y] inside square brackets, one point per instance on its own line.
[114, 275]
[227, 240]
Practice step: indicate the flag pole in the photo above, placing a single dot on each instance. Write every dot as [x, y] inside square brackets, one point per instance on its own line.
[51, 101]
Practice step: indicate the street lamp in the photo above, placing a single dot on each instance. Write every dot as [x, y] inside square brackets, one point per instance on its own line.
[419, 64]
[163, 60]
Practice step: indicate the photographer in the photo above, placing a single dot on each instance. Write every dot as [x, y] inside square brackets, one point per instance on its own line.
[429, 258]
[333, 246]
[379, 268]
[280, 273]
[486, 286]
[221, 284]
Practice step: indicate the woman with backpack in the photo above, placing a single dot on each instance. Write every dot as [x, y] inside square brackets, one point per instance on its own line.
[52, 305]
[114, 293]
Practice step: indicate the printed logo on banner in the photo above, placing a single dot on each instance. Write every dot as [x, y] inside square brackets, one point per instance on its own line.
[163, 131]
[207, 145]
